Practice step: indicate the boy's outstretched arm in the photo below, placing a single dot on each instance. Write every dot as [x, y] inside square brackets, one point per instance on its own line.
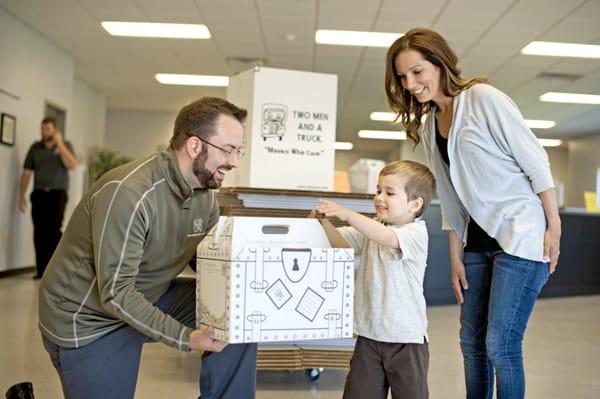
[370, 228]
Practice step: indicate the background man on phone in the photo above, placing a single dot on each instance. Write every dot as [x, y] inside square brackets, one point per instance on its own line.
[49, 161]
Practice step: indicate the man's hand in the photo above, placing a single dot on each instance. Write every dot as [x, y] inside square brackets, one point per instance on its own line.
[23, 204]
[58, 137]
[202, 340]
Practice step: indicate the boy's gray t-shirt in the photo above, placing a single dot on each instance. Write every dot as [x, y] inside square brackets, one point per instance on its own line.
[389, 304]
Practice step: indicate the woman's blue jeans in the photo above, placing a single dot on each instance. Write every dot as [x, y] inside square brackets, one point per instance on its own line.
[493, 318]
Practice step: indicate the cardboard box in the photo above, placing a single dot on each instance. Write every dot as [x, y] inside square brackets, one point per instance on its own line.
[291, 123]
[275, 279]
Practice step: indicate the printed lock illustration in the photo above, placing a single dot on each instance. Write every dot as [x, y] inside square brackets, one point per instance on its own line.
[275, 279]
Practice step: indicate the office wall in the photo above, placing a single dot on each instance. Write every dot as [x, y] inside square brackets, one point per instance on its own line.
[559, 163]
[138, 133]
[583, 161]
[35, 71]
[86, 129]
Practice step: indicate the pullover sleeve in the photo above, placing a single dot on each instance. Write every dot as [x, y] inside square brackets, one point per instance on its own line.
[119, 227]
[510, 131]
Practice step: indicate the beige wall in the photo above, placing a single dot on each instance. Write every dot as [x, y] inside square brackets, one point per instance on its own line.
[36, 71]
[559, 162]
[583, 161]
[138, 133]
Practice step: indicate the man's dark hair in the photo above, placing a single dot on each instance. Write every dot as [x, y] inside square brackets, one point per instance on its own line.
[49, 119]
[199, 118]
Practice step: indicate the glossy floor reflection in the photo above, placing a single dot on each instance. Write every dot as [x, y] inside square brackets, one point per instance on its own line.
[562, 351]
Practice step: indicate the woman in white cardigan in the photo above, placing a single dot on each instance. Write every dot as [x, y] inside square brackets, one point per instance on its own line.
[497, 199]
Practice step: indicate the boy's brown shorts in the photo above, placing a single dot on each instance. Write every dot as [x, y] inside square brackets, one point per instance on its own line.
[377, 367]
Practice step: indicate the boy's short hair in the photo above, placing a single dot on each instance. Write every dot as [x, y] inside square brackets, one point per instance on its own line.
[419, 180]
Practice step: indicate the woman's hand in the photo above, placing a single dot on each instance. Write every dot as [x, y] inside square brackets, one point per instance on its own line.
[552, 235]
[459, 279]
[552, 247]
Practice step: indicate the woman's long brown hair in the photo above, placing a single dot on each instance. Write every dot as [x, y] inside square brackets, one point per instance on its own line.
[435, 49]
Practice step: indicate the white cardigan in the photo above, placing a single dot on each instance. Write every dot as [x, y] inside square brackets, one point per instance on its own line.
[497, 168]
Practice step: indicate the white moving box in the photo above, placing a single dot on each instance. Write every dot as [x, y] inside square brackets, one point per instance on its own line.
[289, 134]
[364, 175]
[275, 279]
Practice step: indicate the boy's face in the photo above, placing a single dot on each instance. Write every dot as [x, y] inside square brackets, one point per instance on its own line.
[391, 203]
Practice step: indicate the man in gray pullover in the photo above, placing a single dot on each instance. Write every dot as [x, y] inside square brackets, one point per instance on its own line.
[111, 286]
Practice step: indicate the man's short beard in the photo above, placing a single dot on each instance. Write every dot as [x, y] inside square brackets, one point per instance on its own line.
[204, 176]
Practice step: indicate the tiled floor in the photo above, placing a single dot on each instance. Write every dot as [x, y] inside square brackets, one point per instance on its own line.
[562, 351]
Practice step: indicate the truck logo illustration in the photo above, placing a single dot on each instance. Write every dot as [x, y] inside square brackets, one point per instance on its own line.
[274, 117]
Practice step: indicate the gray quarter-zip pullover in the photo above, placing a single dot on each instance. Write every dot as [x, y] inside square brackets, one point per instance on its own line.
[131, 234]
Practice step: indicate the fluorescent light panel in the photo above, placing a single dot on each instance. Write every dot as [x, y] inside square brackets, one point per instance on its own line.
[550, 142]
[562, 49]
[574, 98]
[356, 38]
[382, 134]
[539, 124]
[343, 145]
[382, 116]
[388, 117]
[148, 29]
[192, 80]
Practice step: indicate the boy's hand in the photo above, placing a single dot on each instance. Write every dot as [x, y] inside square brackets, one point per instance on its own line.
[331, 209]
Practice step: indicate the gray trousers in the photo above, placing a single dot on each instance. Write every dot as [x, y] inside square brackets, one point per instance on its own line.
[108, 367]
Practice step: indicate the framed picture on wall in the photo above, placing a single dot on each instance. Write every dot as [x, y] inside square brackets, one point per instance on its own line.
[8, 129]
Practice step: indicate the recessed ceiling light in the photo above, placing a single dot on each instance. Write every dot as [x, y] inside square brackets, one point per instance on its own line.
[343, 145]
[562, 49]
[539, 124]
[382, 134]
[550, 142]
[382, 116]
[356, 38]
[574, 98]
[192, 80]
[389, 117]
[148, 29]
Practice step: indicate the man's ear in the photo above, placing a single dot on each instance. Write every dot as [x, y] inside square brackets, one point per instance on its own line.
[193, 147]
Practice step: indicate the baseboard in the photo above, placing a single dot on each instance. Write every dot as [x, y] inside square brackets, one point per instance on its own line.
[13, 272]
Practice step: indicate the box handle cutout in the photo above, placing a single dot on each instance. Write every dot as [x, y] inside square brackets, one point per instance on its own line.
[276, 229]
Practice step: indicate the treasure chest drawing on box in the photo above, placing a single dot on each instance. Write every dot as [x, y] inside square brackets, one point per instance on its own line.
[275, 279]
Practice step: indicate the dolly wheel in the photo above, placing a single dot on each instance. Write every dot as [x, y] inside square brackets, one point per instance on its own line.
[313, 374]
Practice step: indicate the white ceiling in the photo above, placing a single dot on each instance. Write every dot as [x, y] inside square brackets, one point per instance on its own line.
[487, 35]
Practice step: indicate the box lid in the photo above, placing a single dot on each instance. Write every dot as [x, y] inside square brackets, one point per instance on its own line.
[259, 232]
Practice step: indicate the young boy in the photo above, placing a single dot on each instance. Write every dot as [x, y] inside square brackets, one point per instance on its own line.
[389, 315]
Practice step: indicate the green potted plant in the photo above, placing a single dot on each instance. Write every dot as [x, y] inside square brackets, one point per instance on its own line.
[101, 160]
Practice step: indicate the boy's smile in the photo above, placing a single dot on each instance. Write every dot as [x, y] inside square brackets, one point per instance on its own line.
[391, 203]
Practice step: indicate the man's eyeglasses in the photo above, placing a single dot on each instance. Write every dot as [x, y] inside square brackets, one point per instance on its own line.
[238, 152]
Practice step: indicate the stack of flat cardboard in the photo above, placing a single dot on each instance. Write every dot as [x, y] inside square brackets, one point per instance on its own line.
[243, 201]
[300, 355]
